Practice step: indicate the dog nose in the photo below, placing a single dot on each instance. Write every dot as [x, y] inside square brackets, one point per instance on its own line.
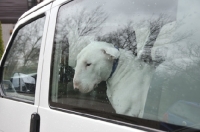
[76, 84]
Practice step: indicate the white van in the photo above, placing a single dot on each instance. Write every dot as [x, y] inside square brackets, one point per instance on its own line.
[102, 66]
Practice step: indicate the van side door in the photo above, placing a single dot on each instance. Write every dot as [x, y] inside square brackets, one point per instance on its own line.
[20, 75]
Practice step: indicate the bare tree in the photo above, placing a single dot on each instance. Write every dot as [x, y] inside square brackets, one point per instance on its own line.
[154, 24]
[81, 24]
[24, 53]
[124, 38]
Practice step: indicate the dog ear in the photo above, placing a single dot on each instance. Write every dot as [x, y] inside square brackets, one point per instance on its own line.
[111, 51]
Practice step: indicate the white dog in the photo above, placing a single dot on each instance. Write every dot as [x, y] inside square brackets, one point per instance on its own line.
[127, 77]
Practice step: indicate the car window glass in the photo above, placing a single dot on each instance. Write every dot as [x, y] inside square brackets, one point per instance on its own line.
[128, 59]
[20, 67]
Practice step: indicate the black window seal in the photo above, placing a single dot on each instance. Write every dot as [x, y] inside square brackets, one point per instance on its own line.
[111, 119]
[19, 100]
[2, 93]
[122, 120]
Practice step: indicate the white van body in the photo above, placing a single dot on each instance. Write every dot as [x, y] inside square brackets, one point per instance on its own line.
[18, 112]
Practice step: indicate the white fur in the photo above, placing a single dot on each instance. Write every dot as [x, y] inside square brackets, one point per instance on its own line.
[127, 88]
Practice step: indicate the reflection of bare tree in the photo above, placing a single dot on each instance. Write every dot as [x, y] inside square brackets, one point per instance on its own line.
[89, 23]
[186, 57]
[28, 48]
[124, 38]
[24, 53]
[82, 24]
[155, 24]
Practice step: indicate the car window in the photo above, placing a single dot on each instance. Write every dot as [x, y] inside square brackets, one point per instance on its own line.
[127, 60]
[21, 62]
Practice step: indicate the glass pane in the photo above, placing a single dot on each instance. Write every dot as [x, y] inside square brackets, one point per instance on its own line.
[20, 67]
[130, 58]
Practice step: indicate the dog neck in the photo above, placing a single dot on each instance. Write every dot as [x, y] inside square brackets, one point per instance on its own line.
[114, 67]
[121, 65]
[115, 64]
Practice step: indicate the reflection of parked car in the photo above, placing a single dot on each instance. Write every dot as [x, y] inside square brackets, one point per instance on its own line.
[183, 113]
[24, 82]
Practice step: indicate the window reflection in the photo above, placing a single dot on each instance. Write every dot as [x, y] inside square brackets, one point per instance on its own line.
[20, 67]
[162, 35]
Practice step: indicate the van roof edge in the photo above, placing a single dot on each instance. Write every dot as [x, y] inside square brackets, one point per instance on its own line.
[35, 8]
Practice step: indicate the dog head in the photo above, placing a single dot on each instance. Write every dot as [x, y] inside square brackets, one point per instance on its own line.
[94, 64]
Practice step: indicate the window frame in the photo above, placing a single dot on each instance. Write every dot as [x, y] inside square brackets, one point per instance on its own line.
[122, 120]
[133, 122]
[7, 50]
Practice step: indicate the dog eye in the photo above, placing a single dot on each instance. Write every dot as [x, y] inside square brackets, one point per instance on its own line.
[88, 64]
